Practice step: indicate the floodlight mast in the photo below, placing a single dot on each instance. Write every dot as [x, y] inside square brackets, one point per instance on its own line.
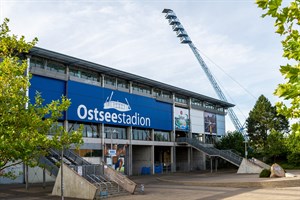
[185, 39]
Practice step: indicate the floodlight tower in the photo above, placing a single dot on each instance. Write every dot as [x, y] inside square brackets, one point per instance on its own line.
[185, 39]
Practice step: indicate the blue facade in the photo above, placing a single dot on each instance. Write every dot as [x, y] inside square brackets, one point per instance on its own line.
[95, 104]
[50, 89]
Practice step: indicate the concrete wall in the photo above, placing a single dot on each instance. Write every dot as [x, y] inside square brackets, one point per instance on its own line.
[35, 175]
[182, 159]
[248, 167]
[198, 160]
[74, 185]
[18, 171]
[141, 157]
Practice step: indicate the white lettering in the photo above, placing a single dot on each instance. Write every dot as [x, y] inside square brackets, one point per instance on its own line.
[114, 117]
[101, 113]
[96, 114]
[122, 118]
[79, 111]
[90, 113]
[107, 116]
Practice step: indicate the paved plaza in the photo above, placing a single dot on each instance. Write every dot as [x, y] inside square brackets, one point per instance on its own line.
[186, 186]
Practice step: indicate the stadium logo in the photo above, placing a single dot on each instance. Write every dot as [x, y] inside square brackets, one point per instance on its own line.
[122, 107]
[108, 116]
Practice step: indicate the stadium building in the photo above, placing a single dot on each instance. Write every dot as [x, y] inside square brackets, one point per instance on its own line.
[140, 125]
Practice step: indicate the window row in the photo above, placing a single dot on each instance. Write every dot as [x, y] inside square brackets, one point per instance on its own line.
[92, 131]
[116, 82]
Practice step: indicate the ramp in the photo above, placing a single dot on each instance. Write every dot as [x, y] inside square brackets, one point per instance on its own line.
[252, 166]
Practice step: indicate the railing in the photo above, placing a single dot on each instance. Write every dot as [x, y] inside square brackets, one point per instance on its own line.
[103, 176]
[76, 158]
[211, 151]
[119, 178]
[51, 167]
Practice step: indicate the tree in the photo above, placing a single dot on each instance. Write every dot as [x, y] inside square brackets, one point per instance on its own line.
[276, 145]
[233, 141]
[287, 21]
[262, 119]
[24, 126]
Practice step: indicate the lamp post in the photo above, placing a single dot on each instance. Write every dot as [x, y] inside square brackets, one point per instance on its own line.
[246, 151]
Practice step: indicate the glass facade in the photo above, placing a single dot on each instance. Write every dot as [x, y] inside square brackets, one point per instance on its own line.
[84, 74]
[162, 136]
[141, 134]
[115, 133]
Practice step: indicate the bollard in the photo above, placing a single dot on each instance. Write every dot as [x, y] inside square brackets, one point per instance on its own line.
[142, 188]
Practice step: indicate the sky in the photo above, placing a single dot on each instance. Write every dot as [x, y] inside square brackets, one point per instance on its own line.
[239, 47]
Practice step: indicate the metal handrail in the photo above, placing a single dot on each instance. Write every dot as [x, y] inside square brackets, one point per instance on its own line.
[211, 151]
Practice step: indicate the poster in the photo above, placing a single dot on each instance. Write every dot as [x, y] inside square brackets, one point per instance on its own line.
[182, 120]
[115, 157]
[210, 123]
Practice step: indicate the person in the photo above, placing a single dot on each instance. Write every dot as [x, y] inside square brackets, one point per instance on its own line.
[119, 164]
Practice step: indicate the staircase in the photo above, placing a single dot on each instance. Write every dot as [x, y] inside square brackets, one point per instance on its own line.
[95, 174]
[211, 151]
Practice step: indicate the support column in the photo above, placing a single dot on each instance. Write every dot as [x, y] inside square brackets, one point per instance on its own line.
[189, 159]
[26, 177]
[211, 165]
[204, 161]
[192, 159]
[44, 178]
[152, 159]
[102, 135]
[130, 151]
[173, 159]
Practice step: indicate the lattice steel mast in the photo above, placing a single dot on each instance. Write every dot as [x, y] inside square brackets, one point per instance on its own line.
[185, 39]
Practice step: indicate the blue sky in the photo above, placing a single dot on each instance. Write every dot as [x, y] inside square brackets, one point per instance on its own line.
[236, 43]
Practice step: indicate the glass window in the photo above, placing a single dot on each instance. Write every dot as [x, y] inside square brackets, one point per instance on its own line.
[197, 102]
[141, 88]
[89, 152]
[37, 62]
[181, 99]
[141, 134]
[162, 136]
[73, 126]
[89, 76]
[156, 93]
[74, 72]
[166, 94]
[122, 83]
[92, 76]
[115, 133]
[56, 128]
[209, 105]
[108, 80]
[56, 67]
[89, 130]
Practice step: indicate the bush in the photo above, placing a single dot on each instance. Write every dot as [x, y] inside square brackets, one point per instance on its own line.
[265, 173]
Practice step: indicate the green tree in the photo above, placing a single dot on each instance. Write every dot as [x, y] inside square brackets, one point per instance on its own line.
[262, 119]
[233, 141]
[287, 21]
[276, 145]
[24, 126]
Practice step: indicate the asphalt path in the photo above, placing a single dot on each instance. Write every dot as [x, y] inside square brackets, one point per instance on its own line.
[183, 186]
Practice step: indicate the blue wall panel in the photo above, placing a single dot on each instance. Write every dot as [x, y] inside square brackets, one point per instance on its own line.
[101, 105]
[50, 89]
